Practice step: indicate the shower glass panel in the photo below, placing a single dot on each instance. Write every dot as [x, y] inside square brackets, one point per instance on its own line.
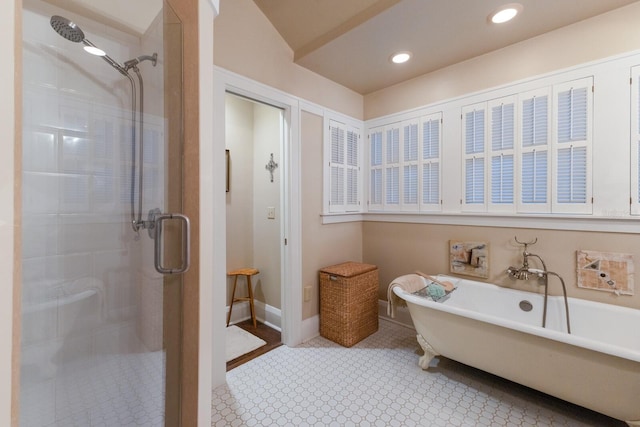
[100, 330]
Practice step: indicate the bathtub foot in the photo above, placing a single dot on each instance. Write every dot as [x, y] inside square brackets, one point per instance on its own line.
[633, 423]
[429, 353]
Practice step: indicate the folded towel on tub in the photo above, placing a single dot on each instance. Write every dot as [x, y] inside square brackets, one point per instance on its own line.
[409, 283]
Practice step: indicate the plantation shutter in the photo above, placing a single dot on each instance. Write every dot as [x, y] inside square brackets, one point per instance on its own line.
[502, 153]
[572, 147]
[474, 157]
[534, 148]
[431, 163]
[375, 164]
[392, 168]
[410, 166]
[635, 140]
[336, 201]
[344, 168]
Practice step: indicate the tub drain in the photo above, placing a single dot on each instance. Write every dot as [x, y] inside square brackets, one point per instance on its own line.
[526, 305]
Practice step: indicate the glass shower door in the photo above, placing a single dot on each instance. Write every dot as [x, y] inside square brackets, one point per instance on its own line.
[100, 339]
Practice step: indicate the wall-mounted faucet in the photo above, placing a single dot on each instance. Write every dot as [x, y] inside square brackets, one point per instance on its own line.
[526, 272]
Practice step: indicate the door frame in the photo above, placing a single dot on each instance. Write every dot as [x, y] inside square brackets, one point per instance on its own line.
[291, 259]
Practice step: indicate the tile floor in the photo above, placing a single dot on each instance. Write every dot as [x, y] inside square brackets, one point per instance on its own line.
[112, 390]
[378, 383]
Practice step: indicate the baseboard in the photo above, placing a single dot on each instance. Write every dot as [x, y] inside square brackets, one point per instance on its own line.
[403, 317]
[310, 328]
[266, 314]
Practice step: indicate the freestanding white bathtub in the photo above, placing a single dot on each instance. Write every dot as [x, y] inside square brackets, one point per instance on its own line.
[597, 366]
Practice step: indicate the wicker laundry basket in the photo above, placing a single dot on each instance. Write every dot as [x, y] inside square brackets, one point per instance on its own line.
[348, 302]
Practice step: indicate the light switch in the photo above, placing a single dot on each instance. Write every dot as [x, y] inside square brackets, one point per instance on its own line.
[271, 212]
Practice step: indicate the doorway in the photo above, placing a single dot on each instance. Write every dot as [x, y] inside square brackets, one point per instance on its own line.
[254, 139]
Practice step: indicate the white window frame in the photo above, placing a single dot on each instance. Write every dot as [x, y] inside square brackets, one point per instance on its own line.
[585, 207]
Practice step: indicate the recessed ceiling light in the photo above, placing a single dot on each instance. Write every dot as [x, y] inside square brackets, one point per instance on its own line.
[400, 57]
[505, 13]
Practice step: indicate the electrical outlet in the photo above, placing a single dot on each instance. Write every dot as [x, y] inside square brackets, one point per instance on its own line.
[307, 293]
[271, 212]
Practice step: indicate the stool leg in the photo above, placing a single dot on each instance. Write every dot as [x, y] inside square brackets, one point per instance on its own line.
[233, 297]
[253, 311]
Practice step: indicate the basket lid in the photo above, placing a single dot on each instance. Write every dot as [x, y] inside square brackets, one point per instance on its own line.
[348, 269]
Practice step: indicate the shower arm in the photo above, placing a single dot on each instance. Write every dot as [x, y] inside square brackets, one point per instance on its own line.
[107, 58]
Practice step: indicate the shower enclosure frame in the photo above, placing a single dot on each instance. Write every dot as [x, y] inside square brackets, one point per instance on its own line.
[186, 374]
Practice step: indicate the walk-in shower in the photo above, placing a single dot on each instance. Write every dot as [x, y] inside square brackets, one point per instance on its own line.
[100, 329]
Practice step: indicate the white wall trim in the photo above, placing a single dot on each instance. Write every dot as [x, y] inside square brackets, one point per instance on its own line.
[267, 314]
[556, 222]
[310, 328]
[291, 291]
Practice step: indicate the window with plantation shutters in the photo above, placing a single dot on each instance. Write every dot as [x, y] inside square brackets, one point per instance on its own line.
[474, 157]
[502, 154]
[635, 140]
[430, 160]
[344, 166]
[404, 167]
[534, 179]
[572, 147]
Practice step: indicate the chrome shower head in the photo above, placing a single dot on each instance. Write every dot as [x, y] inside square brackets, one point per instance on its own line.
[66, 28]
[70, 31]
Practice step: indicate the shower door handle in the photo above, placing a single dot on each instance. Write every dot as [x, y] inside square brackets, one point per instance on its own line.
[158, 225]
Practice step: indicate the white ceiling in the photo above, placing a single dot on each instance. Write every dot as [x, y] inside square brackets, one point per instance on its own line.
[350, 41]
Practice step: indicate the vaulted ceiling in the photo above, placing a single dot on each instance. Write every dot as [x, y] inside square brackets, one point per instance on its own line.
[351, 41]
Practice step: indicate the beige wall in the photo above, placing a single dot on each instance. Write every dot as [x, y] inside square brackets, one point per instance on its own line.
[239, 141]
[609, 34]
[403, 248]
[246, 43]
[267, 237]
[322, 245]
[253, 240]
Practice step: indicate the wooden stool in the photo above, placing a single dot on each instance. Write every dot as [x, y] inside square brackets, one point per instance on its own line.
[247, 272]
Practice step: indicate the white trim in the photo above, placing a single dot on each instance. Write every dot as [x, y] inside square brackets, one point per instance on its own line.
[310, 328]
[241, 312]
[339, 218]
[555, 222]
[291, 259]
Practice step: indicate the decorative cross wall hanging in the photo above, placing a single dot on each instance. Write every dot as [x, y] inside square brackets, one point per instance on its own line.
[271, 166]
